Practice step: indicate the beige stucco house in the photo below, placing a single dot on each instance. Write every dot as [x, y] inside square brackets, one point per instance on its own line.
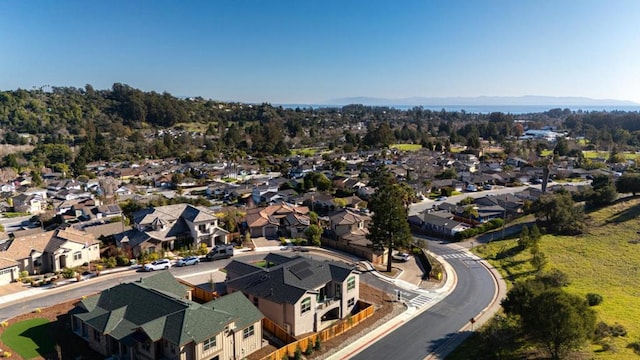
[299, 294]
[153, 318]
[46, 252]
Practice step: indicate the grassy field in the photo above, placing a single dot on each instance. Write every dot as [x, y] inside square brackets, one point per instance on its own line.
[29, 338]
[306, 151]
[605, 261]
[593, 154]
[406, 147]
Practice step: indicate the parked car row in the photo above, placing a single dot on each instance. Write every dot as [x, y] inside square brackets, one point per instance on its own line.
[218, 252]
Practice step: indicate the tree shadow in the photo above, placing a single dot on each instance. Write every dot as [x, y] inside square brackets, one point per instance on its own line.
[440, 348]
[624, 215]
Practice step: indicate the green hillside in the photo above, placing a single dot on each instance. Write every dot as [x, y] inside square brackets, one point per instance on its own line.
[606, 261]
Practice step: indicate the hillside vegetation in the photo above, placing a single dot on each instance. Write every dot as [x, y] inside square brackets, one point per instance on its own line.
[605, 261]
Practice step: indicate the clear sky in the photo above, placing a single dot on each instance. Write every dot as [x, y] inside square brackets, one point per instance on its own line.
[310, 51]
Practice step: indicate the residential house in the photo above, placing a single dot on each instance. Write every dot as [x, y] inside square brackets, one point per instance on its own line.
[278, 220]
[299, 294]
[438, 222]
[264, 193]
[153, 318]
[7, 188]
[511, 204]
[49, 251]
[348, 232]
[171, 226]
[32, 204]
[345, 221]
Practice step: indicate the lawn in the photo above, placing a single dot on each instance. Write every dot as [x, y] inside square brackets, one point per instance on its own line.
[593, 154]
[30, 338]
[307, 152]
[407, 147]
[605, 261]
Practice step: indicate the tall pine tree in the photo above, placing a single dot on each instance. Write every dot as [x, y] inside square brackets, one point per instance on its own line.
[389, 227]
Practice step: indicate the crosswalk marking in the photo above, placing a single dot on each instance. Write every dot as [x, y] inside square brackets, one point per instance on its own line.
[456, 256]
[420, 301]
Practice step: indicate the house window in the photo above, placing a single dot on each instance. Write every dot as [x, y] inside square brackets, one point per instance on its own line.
[96, 335]
[77, 256]
[351, 283]
[248, 332]
[146, 346]
[210, 343]
[255, 301]
[351, 302]
[338, 291]
[305, 305]
[202, 228]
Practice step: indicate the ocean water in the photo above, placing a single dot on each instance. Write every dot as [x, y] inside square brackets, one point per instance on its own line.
[486, 109]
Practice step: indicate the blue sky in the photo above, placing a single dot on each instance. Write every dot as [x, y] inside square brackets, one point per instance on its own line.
[312, 51]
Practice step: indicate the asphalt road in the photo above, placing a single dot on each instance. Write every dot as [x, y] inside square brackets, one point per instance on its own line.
[434, 329]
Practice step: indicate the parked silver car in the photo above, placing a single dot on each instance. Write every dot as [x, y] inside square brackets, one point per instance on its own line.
[189, 260]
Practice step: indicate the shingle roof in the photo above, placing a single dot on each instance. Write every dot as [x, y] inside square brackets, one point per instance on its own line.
[289, 280]
[151, 307]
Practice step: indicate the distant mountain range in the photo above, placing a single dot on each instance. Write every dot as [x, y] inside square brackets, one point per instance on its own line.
[528, 100]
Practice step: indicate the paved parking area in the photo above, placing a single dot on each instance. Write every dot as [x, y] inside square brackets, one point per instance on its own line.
[411, 271]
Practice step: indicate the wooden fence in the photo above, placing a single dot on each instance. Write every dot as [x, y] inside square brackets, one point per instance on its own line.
[277, 331]
[199, 294]
[326, 334]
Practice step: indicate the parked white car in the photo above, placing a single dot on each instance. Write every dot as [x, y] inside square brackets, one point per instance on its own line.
[400, 256]
[162, 264]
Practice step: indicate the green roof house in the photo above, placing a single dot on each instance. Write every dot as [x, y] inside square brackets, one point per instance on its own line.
[153, 319]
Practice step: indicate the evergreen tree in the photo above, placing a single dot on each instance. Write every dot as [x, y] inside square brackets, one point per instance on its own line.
[389, 227]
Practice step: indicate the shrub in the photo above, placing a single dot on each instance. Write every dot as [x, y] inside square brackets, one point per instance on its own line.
[202, 249]
[618, 330]
[68, 273]
[283, 241]
[635, 346]
[111, 262]
[122, 260]
[6, 354]
[318, 345]
[24, 274]
[309, 350]
[604, 330]
[298, 353]
[37, 310]
[4, 324]
[594, 299]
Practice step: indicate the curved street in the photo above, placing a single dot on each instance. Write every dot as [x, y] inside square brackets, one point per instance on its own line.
[435, 331]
